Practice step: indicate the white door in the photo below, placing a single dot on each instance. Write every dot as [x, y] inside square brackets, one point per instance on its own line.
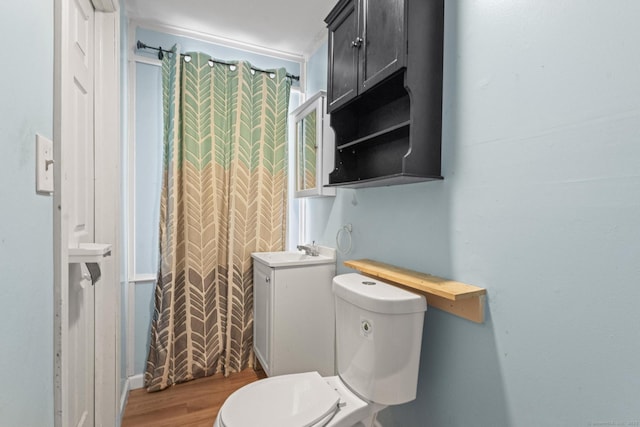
[75, 202]
[78, 139]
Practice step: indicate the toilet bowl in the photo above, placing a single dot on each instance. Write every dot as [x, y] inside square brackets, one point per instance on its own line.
[378, 341]
[294, 400]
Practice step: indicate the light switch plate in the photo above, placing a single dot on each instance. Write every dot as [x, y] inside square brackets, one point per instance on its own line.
[44, 165]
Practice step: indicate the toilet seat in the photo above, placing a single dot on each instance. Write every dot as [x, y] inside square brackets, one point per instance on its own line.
[296, 400]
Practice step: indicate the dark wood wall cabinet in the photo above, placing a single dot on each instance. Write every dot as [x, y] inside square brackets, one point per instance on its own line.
[384, 91]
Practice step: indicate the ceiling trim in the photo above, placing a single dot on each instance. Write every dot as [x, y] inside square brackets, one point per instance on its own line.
[224, 41]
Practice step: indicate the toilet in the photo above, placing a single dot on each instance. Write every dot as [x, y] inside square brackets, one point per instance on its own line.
[378, 340]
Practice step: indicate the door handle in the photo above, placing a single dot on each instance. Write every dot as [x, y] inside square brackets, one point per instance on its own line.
[357, 42]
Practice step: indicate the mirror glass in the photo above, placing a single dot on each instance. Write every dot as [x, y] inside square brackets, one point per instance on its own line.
[306, 148]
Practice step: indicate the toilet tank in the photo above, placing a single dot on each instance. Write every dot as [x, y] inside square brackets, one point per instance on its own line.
[378, 338]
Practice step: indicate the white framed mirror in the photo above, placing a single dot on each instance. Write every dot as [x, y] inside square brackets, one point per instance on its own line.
[314, 148]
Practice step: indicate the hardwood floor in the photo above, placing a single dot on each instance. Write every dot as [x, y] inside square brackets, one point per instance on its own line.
[192, 404]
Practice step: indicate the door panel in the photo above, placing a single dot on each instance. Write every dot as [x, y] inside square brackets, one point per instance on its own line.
[343, 57]
[384, 47]
[76, 202]
[79, 141]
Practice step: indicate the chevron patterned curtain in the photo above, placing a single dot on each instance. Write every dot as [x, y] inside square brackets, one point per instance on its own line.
[224, 196]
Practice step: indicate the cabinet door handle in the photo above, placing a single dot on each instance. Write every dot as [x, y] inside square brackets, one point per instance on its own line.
[267, 279]
[357, 42]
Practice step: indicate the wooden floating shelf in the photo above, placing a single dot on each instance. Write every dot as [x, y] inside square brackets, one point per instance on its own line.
[460, 299]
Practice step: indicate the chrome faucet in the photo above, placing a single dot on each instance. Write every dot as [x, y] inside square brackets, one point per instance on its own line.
[311, 249]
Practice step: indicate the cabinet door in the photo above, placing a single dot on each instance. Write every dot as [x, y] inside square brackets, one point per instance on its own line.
[343, 56]
[384, 48]
[307, 142]
[314, 148]
[262, 313]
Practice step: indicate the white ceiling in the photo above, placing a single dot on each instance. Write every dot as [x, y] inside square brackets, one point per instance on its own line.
[288, 26]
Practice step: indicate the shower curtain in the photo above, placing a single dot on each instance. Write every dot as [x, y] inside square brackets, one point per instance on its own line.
[224, 196]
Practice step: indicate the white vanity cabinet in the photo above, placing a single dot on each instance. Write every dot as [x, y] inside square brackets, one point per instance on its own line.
[293, 315]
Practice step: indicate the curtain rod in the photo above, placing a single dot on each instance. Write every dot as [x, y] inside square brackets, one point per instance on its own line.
[212, 61]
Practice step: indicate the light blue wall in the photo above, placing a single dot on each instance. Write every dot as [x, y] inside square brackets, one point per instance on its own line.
[293, 214]
[317, 70]
[143, 314]
[540, 204]
[148, 183]
[318, 209]
[26, 219]
[148, 165]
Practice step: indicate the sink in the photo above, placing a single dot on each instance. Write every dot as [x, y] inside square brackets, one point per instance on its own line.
[291, 259]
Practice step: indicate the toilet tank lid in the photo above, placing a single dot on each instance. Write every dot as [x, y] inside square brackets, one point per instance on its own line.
[377, 296]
